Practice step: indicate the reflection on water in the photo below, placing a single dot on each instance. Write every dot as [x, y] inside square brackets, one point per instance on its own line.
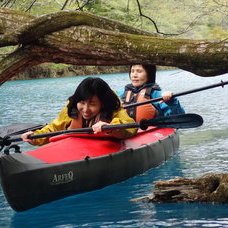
[204, 136]
[202, 150]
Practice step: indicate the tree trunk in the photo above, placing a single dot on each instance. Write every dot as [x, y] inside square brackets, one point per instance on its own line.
[80, 38]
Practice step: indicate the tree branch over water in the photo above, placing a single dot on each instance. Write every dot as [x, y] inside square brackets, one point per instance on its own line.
[81, 38]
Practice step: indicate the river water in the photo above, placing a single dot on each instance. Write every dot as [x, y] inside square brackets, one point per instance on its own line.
[202, 150]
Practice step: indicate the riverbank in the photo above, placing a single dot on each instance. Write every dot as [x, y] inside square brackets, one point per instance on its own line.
[51, 70]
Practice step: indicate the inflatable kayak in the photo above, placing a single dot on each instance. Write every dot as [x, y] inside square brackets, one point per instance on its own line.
[72, 164]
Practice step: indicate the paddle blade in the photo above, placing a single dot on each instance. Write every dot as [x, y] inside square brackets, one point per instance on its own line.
[182, 121]
[17, 129]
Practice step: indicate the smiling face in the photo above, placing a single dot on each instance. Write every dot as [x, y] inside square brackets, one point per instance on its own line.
[89, 108]
[138, 75]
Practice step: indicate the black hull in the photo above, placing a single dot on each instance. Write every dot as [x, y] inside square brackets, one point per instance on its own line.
[28, 182]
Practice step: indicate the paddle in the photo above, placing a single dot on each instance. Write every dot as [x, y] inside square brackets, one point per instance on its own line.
[174, 121]
[17, 129]
[178, 94]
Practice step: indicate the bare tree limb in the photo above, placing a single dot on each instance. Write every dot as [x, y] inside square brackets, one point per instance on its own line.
[188, 28]
[4, 4]
[220, 4]
[31, 5]
[153, 22]
[65, 4]
[85, 4]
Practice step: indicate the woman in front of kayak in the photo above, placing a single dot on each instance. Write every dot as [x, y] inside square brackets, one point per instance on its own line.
[93, 104]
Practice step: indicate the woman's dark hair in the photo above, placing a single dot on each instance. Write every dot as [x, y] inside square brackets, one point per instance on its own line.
[150, 70]
[90, 87]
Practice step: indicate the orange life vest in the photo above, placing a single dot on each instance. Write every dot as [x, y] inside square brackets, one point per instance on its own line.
[81, 123]
[146, 111]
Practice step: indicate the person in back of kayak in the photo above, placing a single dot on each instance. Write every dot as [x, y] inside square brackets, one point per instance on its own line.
[93, 104]
[142, 88]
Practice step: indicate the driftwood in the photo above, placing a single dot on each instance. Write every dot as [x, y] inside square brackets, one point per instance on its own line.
[210, 188]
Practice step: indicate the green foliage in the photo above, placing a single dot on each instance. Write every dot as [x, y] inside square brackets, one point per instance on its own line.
[188, 18]
[203, 19]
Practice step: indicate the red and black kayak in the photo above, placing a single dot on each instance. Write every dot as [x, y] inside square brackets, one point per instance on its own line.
[76, 163]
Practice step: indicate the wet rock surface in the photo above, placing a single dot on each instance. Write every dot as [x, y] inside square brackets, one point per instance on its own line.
[210, 188]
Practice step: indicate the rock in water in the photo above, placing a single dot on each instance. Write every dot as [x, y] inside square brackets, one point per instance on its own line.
[210, 188]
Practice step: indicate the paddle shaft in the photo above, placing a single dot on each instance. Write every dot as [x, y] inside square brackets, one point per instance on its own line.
[174, 121]
[87, 130]
[178, 94]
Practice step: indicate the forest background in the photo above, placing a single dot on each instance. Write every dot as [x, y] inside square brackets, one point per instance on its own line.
[190, 19]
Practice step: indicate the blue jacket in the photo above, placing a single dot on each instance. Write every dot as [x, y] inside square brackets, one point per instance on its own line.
[171, 107]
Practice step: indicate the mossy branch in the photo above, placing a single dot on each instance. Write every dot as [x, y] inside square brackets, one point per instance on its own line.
[80, 38]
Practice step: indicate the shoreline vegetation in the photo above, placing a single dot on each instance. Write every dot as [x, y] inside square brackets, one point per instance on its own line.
[50, 70]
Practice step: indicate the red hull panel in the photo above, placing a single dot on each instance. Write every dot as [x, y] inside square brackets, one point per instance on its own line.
[78, 147]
